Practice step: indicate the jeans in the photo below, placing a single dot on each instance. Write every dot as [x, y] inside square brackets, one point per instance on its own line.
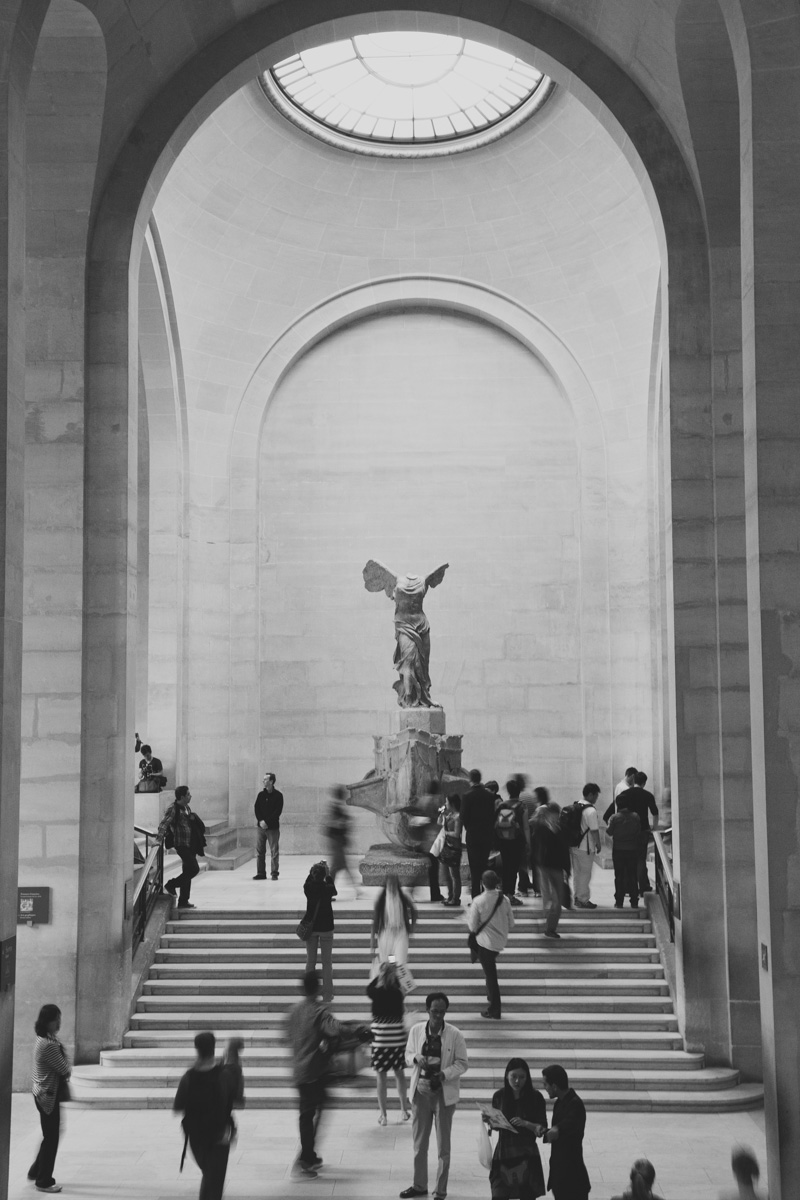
[433, 877]
[626, 876]
[190, 869]
[488, 960]
[428, 1108]
[213, 1163]
[510, 858]
[312, 1103]
[264, 837]
[582, 864]
[324, 943]
[42, 1167]
[453, 878]
[551, 881]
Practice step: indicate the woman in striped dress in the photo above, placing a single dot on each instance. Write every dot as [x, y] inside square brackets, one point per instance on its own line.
[388, 1037]
[51, 1070]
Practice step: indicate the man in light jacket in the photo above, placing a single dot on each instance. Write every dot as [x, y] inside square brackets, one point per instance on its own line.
[491, 920]
[437, 1053]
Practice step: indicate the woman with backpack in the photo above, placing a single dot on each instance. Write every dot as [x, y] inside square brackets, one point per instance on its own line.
[550, 855]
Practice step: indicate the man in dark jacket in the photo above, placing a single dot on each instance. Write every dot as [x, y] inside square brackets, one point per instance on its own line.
[477, 818]
[550, 857]
[205, 1097]
[268, 808]
[309, 1024]
[643, 803]
[568, 1178]
[625, 831]
[180, 821]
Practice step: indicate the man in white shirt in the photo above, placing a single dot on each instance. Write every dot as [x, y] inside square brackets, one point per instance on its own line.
[583, 855]
[628, 781]
[437, 1053]
[491, 920]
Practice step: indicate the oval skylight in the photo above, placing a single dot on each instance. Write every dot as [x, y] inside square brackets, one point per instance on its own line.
[407, 89]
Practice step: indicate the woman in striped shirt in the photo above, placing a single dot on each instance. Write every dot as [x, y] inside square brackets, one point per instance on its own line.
[51, 1070]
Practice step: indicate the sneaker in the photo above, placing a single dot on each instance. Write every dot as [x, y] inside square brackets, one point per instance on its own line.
[490, 1016]
[317, 1161]
[307, 1170]
[413, 1191]
[186, 904]
[169, 886]
[584, 904]
[273, 876]
[513, 900]
[259, 877]
[54, 1187]
[551, 935]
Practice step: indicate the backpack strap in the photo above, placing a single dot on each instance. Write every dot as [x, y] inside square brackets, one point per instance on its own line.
[185, 1144]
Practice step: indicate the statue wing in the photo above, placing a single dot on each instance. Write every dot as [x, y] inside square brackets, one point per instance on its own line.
[378, 578]
[436, 577]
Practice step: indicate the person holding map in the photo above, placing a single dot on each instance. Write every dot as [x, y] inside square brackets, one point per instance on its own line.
[516, 1172]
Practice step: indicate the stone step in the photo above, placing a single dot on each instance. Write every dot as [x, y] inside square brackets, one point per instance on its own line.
[185, 964]
[609, 1020]
[262, 1058]
[437, 912]
[544, 1040]
[511, 987]
[485, 1079]
[269, 923]
[626, 1100]
[586, 949]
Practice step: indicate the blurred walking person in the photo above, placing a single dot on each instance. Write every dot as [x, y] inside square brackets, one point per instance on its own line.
[205, 1096]
[643, 1176]
[393, 921]
[309, 1024]
[550, 855]
[337, 831]
[50, 1086]
[490, 921]
[319, 890]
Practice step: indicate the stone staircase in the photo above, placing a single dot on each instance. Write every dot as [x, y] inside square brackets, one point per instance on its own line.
[596, 1001]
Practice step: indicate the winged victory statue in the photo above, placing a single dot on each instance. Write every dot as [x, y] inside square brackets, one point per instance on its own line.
[412, 631]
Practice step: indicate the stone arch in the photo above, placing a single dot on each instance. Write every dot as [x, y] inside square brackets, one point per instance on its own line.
[643, 134]
[302, 335]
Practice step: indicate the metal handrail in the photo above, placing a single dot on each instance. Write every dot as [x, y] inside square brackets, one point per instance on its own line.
[148, 886]
[665, 884]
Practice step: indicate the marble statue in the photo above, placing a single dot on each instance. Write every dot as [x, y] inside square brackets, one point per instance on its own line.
[412, 631]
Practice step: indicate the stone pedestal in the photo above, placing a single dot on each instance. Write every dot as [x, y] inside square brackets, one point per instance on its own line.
[416, 753]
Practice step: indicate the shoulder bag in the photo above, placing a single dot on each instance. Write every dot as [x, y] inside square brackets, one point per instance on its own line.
[306, 926]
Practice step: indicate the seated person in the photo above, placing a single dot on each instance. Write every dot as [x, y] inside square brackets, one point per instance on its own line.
[150, 772]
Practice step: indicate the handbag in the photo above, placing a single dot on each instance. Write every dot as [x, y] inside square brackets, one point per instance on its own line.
[306, 926]
[451, 854]
[405, 979]
[438, 844]
[346, 1053]
[472, 939]
[484, 1147]
[148, 785]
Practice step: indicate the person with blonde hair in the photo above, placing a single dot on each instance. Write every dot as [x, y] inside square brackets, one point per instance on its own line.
[388, 1037]
[393, 922]
[643, 1176]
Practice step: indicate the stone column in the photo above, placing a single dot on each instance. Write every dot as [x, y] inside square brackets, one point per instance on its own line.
[771, 297]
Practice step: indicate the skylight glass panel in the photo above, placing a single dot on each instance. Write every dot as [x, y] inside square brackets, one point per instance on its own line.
[408, 86]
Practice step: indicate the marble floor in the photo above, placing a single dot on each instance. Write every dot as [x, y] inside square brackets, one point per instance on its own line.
[136, 1154]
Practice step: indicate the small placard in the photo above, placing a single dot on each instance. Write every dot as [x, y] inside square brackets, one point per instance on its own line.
[33, 906]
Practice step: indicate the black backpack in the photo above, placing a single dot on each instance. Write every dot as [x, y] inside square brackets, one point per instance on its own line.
[198, 843]
[570, 821]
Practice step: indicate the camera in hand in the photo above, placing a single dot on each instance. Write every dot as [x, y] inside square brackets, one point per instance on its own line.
[430, 1079]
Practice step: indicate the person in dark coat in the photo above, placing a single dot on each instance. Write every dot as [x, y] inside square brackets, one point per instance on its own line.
[625, 831]
[477, 818]
[268, 808]
[643, 803]
[516, 1172]
[568, 1179]
[550, 857]
[320, 890]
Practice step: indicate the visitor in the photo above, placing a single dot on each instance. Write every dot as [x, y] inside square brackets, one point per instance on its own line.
[185, 830]
[494, 787]
[337, 831]
[744, 1165]
[583, 855]
[450, 857]
[628, 781]
[151, 777]
[550, 855]
[438, 1054]
[625, 831]
[268, 808]
[510, 829]
[320, 889]
[232, 1070]
[568, 1179]
[205, 1097]
[490, 920]
[651, 809]
[393, 920]
[643, 1176]
[477, 818]
[516, 1170]
[308, 1024]
[431, 827]
[388, 1037]
[50, 1087]
[529, 804]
